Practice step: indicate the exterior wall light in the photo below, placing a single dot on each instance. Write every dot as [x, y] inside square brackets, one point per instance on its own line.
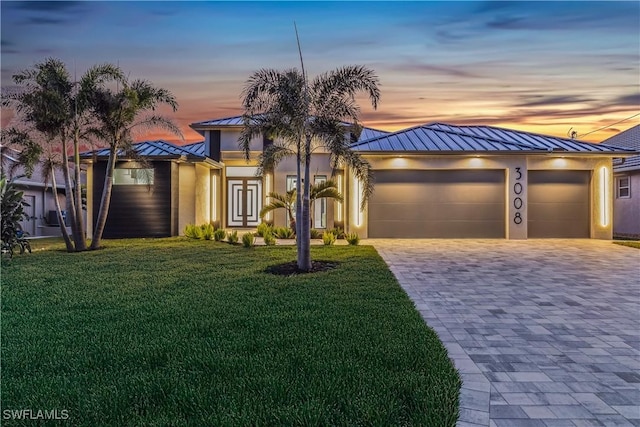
[604, 196]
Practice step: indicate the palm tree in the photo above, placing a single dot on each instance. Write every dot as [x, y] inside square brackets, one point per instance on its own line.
[119, 114]
[59, 109]
[321, 190]
[301, 117]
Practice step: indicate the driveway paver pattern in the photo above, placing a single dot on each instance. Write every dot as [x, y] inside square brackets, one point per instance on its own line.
[544, 332]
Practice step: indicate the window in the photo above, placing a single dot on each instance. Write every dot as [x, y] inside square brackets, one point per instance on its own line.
[623, 187]
[320, 206]
[291, 184]
[133, 177]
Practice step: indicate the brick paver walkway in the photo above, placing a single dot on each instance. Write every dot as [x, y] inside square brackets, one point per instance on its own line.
[544, 332]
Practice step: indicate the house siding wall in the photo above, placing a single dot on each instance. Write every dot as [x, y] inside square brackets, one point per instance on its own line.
[136, 210]
[626, 212]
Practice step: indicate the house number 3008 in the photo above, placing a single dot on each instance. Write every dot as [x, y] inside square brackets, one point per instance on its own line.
[517, 201]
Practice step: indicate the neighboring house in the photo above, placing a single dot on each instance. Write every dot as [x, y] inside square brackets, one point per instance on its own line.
[39, 196]
[626, 204]
[432, 181]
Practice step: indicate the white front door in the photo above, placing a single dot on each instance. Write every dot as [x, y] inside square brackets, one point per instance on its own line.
[244, 201]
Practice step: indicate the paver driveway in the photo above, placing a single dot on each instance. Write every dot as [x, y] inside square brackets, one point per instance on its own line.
[544, 332]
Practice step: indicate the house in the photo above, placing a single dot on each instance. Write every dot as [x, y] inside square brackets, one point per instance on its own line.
[432, 181]
[626, 175]
[42, 219]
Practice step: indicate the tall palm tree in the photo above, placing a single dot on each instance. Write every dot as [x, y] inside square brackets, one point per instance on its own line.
[302, 116]
[119, 114]
[58, 107]
[287, 201]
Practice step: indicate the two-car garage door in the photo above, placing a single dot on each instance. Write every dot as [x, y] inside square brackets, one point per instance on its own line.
[471, 204]
[438, 204]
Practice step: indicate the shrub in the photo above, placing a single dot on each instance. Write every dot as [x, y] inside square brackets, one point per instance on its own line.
[328, 238]
[269, 240]
[316, 234]
[352, 238]
[248, 240]
[338, 232]
[193, 231]
[207, 231]
[264, 229]
[284, 233]
[219, 235]
[232, 237]
[12, 213]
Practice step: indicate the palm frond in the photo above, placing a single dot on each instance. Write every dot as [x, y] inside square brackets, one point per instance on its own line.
[325, 190]
[271, 156]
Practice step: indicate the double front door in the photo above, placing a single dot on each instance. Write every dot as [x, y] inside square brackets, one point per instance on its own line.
[244, 201]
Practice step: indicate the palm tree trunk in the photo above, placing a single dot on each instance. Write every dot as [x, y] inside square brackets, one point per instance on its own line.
[105, 200]
[304, 239]
[71, 210]
[298, 205]
[63, 227]
[80, 240]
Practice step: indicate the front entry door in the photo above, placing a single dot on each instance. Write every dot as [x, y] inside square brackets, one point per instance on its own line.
[244, 201]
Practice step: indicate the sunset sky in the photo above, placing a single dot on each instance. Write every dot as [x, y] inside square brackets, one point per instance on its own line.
[539, 66]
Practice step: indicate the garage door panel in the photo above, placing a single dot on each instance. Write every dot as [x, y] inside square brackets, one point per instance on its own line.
[434, 193]
[558, 193]
[438, 204]
[559, 211]
[558, 204]
[433, 229]
[441, 211]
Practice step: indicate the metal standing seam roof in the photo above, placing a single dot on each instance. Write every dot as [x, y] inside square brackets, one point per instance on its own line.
[439, 137]
[629, 139]
[157, 148]
[367, 132]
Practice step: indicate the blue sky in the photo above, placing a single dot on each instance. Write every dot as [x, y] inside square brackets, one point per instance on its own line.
[538, 66]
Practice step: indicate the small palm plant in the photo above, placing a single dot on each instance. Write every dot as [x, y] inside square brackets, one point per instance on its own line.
[322, 190]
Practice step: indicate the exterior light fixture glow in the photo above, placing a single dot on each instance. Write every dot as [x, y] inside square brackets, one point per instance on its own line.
[476, 162]
[267, 190]
[604, 196]
[214, 197]
[358, 199]
[559, 162]
[339, 204]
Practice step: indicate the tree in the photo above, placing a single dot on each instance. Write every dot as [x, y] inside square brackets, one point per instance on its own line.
[321, 190]
[12, 207]
[59, 109]
[119, 113]
[302, 116]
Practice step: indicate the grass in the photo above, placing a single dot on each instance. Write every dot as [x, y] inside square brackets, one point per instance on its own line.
[629, 243]
[183, 332]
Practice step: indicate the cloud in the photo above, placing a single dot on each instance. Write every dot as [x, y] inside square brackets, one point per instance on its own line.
[540, 100]
[38, 20]
[633, 100]
[422, 68]
[49, 6]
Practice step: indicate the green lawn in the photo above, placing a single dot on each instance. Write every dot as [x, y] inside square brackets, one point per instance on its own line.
[631, 244]
[181, 332]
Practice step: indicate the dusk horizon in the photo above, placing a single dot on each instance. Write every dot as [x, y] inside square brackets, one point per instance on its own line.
[543, 67]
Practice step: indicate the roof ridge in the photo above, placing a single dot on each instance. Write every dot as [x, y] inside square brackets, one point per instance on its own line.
[488, 138]
[429, 127]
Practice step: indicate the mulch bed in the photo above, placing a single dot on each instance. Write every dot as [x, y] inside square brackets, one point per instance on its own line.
[291, 268]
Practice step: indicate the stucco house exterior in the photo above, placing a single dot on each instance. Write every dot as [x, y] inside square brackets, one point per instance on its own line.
[432, 181]
[42, 221]
[626, 174]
